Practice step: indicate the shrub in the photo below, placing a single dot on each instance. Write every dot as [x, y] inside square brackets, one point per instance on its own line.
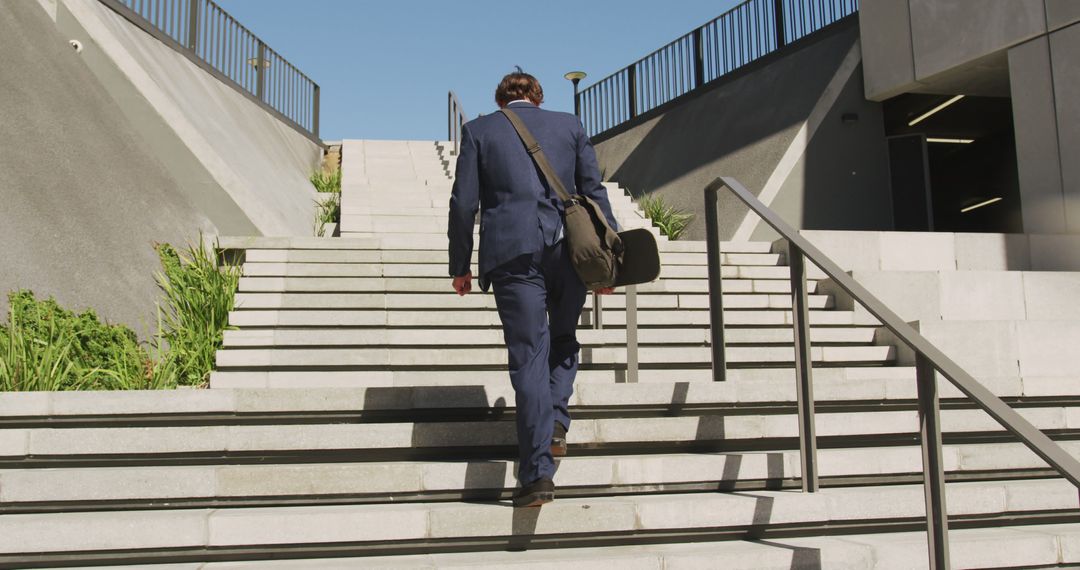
[328, 210]
[671, 220]
[46, 347]
[194, 312]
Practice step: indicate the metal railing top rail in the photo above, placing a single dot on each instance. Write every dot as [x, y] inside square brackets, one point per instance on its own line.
[743, 34]
[455, 119]
[928, 360]
[219, 44]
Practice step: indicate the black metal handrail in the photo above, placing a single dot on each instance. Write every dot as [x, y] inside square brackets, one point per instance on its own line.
[455, 119]
[928, 359]
[216, 42]
[741, 35]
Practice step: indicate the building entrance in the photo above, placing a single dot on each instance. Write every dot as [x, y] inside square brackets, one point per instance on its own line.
[953, 163]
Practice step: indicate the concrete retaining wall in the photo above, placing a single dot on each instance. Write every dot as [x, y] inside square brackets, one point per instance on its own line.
[779, 129]
[82, 200]
[206, 133]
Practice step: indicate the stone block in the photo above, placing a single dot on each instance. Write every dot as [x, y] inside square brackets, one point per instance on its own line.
[1052, 295]
[1048, 348]
[983, 349]
[914, 251]
[852, 251]
[73, 532]
[290, 525]
[982, 296]
[913, 295]
[563, 516]
[1055, 252]
[16, 404]
[992, 252]
[106, 483]
[317, 479]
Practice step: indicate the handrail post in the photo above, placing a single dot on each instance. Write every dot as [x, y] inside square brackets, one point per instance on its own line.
[716, 293]
[778, 12]
[597, 312]
[631, 335]
[699, 59]
[804, 366]
[315, 113]
[193, 25]
[631, 89]
[937, 521]
[260, 72]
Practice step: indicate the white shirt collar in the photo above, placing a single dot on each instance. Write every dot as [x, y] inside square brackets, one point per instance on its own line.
[521, 101]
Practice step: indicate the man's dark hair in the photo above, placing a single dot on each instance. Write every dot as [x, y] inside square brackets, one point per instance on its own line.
[519, 85]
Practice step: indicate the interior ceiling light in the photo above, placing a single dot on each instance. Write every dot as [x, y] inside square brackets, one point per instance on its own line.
[950, 141]
[981, 204]
[929, 113]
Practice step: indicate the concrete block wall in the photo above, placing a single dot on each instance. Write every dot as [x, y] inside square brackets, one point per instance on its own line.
[1003, 306]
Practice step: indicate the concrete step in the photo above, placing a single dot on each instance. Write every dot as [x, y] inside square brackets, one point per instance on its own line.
[437, 270]
[445, 522]
[287, 243]
[1028, 546]
[587, 337]
[467, 318]
[366, 256]
[435, 285]
[281, 357]
[492, 479]
[486, 439]
[450, 300]
[487, 389]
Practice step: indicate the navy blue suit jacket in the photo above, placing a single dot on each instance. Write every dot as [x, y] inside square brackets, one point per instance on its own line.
[519, 213]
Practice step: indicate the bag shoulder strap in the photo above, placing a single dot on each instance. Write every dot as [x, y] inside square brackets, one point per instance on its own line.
[537, 154]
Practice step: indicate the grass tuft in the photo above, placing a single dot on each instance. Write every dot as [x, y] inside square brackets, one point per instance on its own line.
[671, 220]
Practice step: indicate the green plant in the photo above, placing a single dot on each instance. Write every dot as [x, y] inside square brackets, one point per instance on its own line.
[327, 210]
[194, 312]
[671, 220]
[327, 182]
[46, 347]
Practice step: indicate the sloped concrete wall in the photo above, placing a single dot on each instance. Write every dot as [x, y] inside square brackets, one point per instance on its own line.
[82, 200]
[779, 130]
[260, 163]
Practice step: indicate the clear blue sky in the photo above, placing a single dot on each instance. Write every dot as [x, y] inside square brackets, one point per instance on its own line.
[385, 66]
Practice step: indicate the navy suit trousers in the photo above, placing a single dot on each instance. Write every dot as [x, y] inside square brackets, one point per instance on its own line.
[539, 297]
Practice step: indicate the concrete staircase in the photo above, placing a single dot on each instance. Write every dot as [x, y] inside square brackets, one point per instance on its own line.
[360, 416]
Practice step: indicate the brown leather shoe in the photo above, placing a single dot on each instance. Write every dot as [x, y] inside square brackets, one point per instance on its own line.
[535, 494]
[558, 441]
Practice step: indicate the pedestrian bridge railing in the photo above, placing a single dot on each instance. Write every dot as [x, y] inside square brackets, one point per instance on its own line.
[216, 42]
[734, 39]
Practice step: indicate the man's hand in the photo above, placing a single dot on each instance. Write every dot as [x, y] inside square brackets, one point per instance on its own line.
[604, 290]
[463, 284]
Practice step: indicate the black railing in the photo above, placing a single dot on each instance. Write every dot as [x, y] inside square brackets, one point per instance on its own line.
[929, 361]
[219, 44]
[745, 33]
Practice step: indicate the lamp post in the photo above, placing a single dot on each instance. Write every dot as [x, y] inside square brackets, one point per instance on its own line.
[575, 77]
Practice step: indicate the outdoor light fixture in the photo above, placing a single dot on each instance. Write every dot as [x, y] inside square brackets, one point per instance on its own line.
[931, 112]
[254, 62]
[575, 77]
[950, 141]
[981, 204]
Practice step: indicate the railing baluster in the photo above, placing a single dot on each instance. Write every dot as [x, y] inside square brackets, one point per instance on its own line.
[933, 469]
[804, 369]
[631, 335]
[716, 286]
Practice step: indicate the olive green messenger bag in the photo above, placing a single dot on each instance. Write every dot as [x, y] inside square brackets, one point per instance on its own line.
[600, 256]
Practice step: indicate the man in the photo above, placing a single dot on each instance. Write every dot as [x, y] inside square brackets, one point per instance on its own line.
[523, 257]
